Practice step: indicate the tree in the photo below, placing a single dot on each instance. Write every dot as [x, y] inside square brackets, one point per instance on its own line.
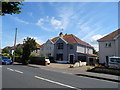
[18, 52]
[94, 51]
[5, 50]
[10, 7]
[29, 45]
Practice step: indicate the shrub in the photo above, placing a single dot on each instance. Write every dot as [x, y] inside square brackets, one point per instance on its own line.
[32, 55]
[89, 68]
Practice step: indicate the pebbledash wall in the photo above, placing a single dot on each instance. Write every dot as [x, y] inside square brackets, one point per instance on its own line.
[63, 51]
[109, 51]
[106, 51]
[51, 47]
[66, 51]
[47, 49]
[118, 46]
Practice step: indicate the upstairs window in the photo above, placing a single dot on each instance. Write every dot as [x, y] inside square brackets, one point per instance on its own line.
[71, 46]
[108, 44]
[60, 46]
[88, 50]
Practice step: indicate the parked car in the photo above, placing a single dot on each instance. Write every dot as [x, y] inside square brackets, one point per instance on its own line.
[114, 62]
[6, 61]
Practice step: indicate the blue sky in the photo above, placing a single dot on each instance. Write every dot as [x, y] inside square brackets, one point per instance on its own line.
[44, 20]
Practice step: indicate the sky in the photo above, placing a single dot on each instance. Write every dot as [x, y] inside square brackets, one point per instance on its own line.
[89, 21]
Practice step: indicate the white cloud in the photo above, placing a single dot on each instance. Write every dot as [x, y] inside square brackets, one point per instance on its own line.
[94, 42]
[66, 17]
[21, 21]
[96, 37]
[70, 14]
[84, 28]
[40, 21]
[89, 34]
[49, 24]
[56, 23]
[38, 40]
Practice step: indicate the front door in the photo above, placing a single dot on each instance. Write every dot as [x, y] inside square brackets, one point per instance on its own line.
[71, 59]
[106, 60]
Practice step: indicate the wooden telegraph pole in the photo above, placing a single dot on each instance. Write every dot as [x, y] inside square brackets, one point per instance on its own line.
[14, 45]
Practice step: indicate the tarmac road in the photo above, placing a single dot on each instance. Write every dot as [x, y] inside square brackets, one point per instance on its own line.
[19, 76]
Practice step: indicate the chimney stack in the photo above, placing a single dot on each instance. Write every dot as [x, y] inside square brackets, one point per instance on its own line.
[61, 34]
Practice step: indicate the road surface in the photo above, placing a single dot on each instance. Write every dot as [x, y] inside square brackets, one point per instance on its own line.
[19, 76]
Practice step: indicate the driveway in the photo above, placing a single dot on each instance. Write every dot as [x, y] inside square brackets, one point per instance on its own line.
[67, 66]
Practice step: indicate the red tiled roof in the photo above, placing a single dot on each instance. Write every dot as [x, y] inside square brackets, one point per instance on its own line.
[8, 47]
[18, 45]
[42, 45]
[54, 39]
[89, 54]
[110, 36]
[38, 45]
[72, 39]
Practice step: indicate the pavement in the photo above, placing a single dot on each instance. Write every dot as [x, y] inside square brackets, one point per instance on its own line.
[79, 71]
[21, 76]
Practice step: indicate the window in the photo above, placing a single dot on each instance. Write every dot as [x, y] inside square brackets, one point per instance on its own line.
[88, 50]
[60, 46]
[82, 58]
[108, 44]
[71, 46]
[36, 51]
[115, 60]
[49, 54]
[59, 57]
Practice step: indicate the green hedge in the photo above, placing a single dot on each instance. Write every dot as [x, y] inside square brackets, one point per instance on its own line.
[32, 55]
